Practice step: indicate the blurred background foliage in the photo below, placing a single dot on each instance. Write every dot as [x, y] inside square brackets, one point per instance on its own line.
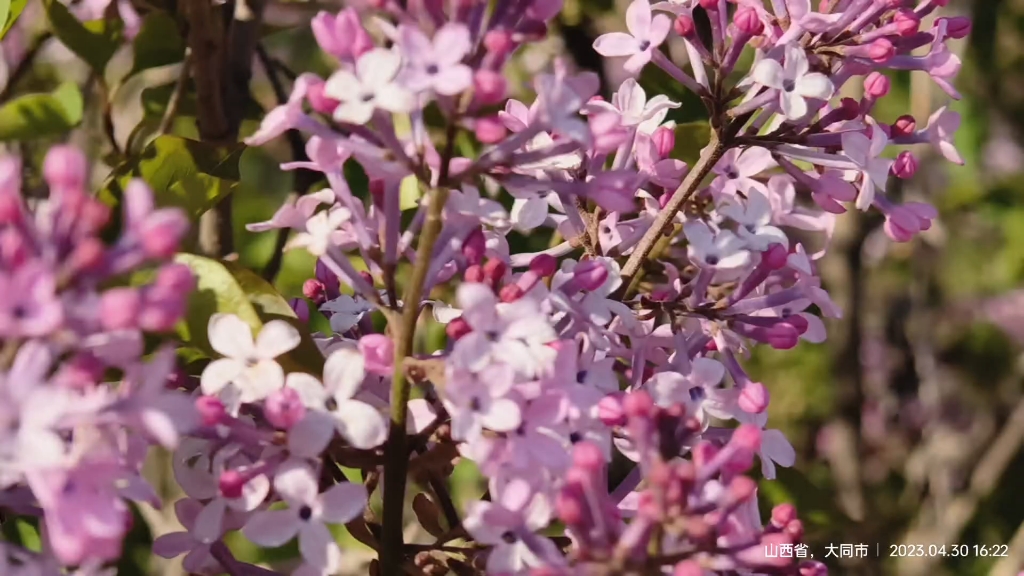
[908, 422]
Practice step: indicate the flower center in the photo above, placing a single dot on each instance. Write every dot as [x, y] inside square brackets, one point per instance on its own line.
[575, 437]
[644, 45]
[581, 376]
[305, 513]
[697, 393]
[433, 69]
[367, 97]
[732, 173]
[789, 85]
[711, 260]
[475, 405]
[19, 312]
[509, 537]
[331, 404]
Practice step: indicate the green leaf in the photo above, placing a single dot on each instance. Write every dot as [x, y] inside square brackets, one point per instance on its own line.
[226, 288]
[12, 9]
[94, 41]
[184, 173]
[691, 138]
[40, 115]
[159, 43]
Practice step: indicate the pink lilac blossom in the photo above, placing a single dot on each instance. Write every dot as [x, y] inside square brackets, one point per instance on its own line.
[552, 362]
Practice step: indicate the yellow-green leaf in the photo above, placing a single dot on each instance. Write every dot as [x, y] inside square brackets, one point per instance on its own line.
[41, 115]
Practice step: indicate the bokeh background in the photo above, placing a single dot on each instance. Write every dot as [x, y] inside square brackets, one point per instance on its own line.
[908, 421]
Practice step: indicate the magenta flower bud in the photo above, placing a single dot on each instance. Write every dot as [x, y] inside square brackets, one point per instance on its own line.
[957, 26]
[903, 126]
[798, 322]
[881, 50]
[489, 130]
[850, 109]
[474, 247]
[378, 354]
[489, 87]
[342, 36]
[570, 507]
[684, 26]
[499, 42]
[301, 308]
[664, 141]
[160, 315]
[905, 165]
[775, 257]
[330, 281]
[607, 131]
[175, 279]
[510, 293]
[876, 85]
[82, 371]
[783, 337]
[284, 408]
[230, 483]
[709, 5]
[475, 274]
[319, 101]
[544, 265]
[748, 22]
[907, 23]
[87, 256]
[703, 453]
[754, 398]
[638, 404]
[813, 568]
[457, 328]
[688, 568]
[590, 275]
[119, 308]
[783, 514]
[162, 232]
[747, 437]
[11, 210]
[65, 167]
[366, 276]
[211, 410]
[610, 410]
[494, 271]
[795, 530]
[588, 456]
[315, 291]
[742, 488]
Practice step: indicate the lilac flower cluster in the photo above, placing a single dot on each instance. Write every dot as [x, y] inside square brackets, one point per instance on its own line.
[71, 444]
[623, 342]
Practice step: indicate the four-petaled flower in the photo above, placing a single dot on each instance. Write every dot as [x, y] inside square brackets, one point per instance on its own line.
[646, 33]
[794, 81]
[873, 170]
[436, 65]
[373, 86]
[248, 372]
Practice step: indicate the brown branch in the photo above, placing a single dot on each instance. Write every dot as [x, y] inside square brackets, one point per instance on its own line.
[174, 102]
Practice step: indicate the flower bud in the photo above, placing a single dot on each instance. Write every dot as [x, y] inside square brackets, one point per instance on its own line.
[510, 293]
[544, 265]
[684, 26]
[905, 165]
[230, 483]
[87, 256]
[775, 257]
[378, 353]
[907, 22]
[457, 328]
[301, 308]
[284, 408]
[315, 291]
[688, 568]
[475, 274]
[211, 410]
[65, 167]
[638, 404]
[850, 109]
[175, 279]
[881, 50]
[748, 22]
[119, 308]
[610, 410]
[741, 489]
[588, 456]
[664, 141]
[876, 85]
[494, 271]
[499, 42]
[570, 506]
[813, 568]
[783, 514]
[489, 130]
[590, 275]
[957, 27]
[754, 398]
[709, 5]
[342, 36]
[489, 87]
[161, 233]
[903, 126]
[474, 247]
[747, 437]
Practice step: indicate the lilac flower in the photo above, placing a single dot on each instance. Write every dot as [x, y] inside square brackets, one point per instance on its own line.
[306, 515]
[754, 217]
[793, 81]
[436, 65]
[722, 250]
[198, 558]
[508, 525]
[320, 231]
[373, 86]
[294, 214]
[645, 35]
[248, 367]
[942, 125]
[737, 169]
[346, 311]
[873, 170]
[478, 401]
[32, 308]
[630, 103]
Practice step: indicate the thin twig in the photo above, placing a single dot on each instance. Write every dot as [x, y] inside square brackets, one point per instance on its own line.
[174, 102]
[24, 66]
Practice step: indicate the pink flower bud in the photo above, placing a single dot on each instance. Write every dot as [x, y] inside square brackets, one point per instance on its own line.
[905, 165]
[876, 85]
[684, 26]
[489, 87]
[588, 456]
[319, 101]
[87, 256]
[211, 410]
[590, 275]
[315, 291]
[499, 42]
[709, 5]
[688, 568]
[850, 109]
[457, 328]
[175, 278]
[742, 488]
[610, 410]
[775, 257]
[903, 126]
[544, 265]
[510, 293]
[284, 408]
[230, 483]
[881, 50]
[11, 210]
[638, 404]
[703, 453]
[494, 271]
[754, 398]
[907, 23]
[489, 130]
[783, 514]
[119, 308]
[664, 141]
[378, 353]
[475, 274]
[474, 247]
[65, 167]
[161, 233]
[957, 26]
[798, 322]
[747, 437]
[813, 568]
[795, 530]
[569, 507]
[748, 22]
[342, 36]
